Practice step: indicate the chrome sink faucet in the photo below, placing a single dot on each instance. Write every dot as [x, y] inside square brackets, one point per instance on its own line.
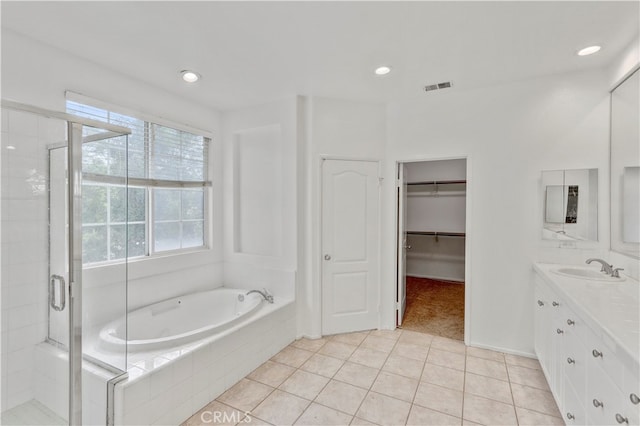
[264, 293]
[609, 269]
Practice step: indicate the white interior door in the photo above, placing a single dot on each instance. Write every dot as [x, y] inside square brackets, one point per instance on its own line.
[401, 302]
[58, 248]
[350, 246]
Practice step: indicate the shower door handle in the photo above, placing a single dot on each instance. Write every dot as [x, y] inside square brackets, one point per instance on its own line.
[52, 293]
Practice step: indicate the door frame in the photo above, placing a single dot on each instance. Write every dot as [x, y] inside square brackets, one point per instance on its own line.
[468, 279]
[320, 229]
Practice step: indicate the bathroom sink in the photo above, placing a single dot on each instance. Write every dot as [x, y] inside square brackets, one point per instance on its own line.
[586, 274]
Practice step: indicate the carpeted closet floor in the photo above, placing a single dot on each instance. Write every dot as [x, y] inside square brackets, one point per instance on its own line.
[435, 307]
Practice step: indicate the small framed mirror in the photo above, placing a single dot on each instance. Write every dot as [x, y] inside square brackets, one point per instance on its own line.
[570, 204]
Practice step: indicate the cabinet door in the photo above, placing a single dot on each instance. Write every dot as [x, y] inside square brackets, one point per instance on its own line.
[605, 398]
[572, 411]
[542, 327]
[558, 331]
[631, 393]
[575, 364]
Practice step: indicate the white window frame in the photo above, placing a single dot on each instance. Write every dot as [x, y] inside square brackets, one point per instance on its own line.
[150, 252]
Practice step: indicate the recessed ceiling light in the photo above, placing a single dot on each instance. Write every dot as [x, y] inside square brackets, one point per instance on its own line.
[190, 76]
[383, 70]
[588, 50]
[11, 147]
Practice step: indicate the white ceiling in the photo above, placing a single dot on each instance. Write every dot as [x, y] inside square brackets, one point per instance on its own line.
[253, 52]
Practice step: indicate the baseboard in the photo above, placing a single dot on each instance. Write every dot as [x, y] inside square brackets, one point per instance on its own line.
[504, 350]
[431, 277]
[308, 336]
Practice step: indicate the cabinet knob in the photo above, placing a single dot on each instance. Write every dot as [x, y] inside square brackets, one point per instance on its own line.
[634, 399]
[597, 403]
[571, 322]
[570, 416]
[571, 361]
[621, 419]
[540, 303]
[596, 353]
[559, 331]
[554, 303]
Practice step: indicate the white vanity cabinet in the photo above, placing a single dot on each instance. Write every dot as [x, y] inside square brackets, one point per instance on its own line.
[593, 375]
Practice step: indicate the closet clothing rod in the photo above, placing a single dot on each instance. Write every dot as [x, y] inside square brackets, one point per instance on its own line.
[438, 182]
[437, 234]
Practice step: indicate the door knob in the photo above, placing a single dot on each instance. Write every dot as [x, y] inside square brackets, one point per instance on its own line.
[621, 419]
[407, 247]
[327, 257]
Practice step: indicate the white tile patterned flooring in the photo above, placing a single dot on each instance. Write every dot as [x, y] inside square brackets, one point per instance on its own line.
[386, 378]
[31, 413]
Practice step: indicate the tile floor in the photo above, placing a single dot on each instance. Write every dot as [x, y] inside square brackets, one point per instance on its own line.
[386, 378]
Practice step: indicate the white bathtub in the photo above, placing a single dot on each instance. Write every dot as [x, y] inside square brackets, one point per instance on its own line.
[180, 320]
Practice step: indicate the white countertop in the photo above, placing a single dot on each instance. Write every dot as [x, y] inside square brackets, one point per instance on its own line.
[612, 307]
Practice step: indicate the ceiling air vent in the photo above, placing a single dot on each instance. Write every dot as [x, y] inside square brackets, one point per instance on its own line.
[443, 85]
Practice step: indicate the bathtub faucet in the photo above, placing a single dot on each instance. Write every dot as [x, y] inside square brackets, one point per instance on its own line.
[264, 293]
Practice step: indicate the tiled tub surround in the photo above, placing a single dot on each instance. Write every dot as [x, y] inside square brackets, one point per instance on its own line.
[387, 378]
[587, 337]
[167, 386]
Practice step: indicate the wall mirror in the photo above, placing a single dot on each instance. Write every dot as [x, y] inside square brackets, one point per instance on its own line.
[625, 167]
[570, 204]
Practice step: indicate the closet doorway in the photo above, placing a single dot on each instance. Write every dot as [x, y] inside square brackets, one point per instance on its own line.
[432, 202]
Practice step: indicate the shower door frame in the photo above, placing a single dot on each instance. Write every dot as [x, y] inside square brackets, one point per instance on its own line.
[75, 140]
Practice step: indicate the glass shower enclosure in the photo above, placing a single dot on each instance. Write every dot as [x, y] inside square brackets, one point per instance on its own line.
[64, 233]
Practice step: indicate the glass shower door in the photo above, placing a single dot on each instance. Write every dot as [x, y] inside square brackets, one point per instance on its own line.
[58, 326]
[100, 260]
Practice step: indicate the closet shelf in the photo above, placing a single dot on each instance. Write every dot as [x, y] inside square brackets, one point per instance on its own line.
[438, 182]
[438, 233]
[451, 188]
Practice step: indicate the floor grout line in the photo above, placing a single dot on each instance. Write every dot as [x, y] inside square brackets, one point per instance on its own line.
[397, 340]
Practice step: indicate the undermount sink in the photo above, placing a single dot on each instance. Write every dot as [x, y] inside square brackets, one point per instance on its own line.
[586, 274]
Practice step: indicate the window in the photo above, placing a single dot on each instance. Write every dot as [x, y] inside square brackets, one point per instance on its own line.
[144, 197]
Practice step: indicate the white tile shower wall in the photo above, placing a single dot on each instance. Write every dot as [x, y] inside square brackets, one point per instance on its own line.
[24, 247]
[176, 390]
[51, 385]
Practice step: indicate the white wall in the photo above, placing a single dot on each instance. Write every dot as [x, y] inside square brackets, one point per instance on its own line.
[334, 128]
[509, 134]
[260, 197]
[625, 63]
